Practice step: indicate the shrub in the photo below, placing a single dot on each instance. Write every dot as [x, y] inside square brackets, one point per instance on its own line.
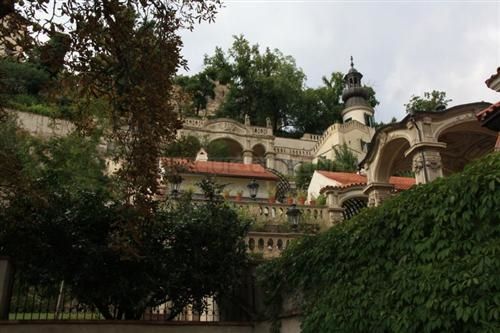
[425, 261]
[22, 78]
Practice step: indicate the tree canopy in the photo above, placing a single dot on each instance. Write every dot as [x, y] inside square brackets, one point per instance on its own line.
[424, 261]
[125, 53]
[434, 101]
[181, 255]
[261, 84]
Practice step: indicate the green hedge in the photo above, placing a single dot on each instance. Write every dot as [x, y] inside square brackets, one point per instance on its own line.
[425, 261]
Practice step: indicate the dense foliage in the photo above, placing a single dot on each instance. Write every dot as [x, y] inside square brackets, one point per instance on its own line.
[200, 88]
[261, 85]
[125, 53]
[185, 147]
[62, 218]
[434, 101]
[181, 255]
[22, 78]
[425, 261]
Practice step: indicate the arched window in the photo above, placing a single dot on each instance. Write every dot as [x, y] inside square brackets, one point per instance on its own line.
[251, 244]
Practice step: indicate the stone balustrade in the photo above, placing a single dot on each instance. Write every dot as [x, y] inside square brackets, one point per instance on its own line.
[266, 213]
[337, 127]
[194, 122]
[272, 216]
[268, 245]
[200, 123]
[293, 151]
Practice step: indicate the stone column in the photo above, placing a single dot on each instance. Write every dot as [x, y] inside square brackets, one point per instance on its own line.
[427, 166]
[377, 193]
[270, 160]
[335, 211]
[247, 157]
[336, 215]
[6, 281]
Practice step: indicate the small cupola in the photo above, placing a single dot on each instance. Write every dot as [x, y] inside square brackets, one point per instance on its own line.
[355, 98]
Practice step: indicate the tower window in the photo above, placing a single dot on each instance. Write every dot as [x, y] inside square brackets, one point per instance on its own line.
[368, 120]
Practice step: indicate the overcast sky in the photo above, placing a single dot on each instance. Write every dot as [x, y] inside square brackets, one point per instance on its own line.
[403, 48]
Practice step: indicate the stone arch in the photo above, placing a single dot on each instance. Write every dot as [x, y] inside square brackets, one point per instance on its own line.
[259, 154]
[459, 152]
[225, 148]
[353, 206]
[351, 193]
[390, 160]
[296, 166]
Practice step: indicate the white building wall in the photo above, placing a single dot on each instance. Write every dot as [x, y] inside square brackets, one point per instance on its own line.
[356, 113]
[318, 181]
[350, 133]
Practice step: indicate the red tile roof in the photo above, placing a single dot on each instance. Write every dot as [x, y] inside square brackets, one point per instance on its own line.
[493, 77]
[348, 179]
[402, 183]
[488, 112]
[227, 169]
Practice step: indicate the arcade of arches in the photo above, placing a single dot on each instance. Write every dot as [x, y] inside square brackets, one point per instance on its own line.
[430, 145]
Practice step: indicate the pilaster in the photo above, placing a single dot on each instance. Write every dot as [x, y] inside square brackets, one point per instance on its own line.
[335, 210]
[427, 166]
[270, 158]
[247, 157]
[336, 215]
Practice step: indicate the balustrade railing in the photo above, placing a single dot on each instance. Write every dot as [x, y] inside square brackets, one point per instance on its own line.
[272, 216]
[264, 245]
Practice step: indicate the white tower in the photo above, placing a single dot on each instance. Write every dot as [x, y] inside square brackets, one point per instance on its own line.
[355, 97]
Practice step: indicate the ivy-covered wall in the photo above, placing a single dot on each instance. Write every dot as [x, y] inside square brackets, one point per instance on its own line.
[426, 261]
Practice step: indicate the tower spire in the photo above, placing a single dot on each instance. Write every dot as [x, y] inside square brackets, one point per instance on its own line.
[355, 97]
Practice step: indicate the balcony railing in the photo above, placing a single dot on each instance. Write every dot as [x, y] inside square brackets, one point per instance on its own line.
[265, 245]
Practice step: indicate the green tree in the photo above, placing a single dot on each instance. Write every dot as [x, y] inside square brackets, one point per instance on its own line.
[50, 55]
[185, 254]
[22, 78]
[107, 60]
[13, 155]
[321, 107]
[434, 101]
[219, 150]
[36, 167]
[200, 88]
[185, 146]
[261, 84]
[345, 160]
[424, 261]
